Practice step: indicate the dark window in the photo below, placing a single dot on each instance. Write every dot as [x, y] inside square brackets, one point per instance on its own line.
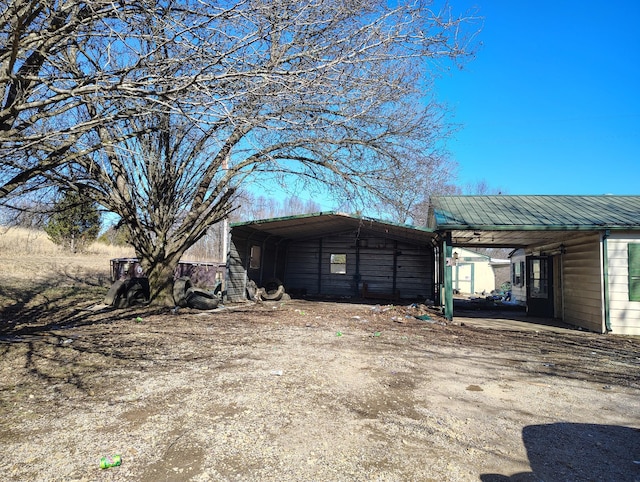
[517, 274]
[254, 260]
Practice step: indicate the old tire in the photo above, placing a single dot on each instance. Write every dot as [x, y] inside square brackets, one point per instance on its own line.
[217, 290]
[201, 299]
[273, 290]
[115, 293]
[252, 290]
[138, 292]
[180, 288]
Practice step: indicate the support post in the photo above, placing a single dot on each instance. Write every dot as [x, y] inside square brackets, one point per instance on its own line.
[448, 277]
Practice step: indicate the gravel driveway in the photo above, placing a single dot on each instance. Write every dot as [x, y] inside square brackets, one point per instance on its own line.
[313, 391]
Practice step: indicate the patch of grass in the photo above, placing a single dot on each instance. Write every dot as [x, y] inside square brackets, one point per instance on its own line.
[18, 242]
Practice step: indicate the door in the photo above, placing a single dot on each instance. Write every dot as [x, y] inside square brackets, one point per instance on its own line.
[540, 286]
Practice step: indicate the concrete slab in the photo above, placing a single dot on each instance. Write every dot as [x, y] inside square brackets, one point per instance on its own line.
[510, 320]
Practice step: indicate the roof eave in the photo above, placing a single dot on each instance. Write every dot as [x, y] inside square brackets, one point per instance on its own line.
[483, 227]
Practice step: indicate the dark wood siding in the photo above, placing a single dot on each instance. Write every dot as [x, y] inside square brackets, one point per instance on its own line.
[303, 263]
[415, 272]
[385, 265]
[236, 274]
[332, 284]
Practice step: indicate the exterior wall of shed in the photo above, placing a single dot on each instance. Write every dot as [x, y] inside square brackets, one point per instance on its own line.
[373, 262]
[272, 263]
[624, 315]
[236, 282]
[309, 265]
[304, 267]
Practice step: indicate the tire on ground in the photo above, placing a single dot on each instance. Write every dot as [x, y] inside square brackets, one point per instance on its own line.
[217, 290]
[201, 299]
[180, 288]
[252, 290]
[273, 290]
[138, 291]
[115, 293]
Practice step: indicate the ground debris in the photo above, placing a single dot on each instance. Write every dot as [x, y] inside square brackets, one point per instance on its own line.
[254, 392]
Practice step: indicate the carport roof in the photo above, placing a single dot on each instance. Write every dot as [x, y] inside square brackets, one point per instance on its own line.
[524, 220]
[307, 226]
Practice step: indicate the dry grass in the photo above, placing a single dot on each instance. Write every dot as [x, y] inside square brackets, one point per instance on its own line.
[16, 241]
[37, 276]
[35, 271]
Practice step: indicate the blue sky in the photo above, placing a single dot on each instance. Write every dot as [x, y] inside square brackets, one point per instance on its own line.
[551, 103]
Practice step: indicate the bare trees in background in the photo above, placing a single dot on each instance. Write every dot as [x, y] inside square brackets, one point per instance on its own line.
[249, 207]
[162, 110]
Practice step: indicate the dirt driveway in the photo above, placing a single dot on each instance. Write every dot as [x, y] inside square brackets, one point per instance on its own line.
[312, 391]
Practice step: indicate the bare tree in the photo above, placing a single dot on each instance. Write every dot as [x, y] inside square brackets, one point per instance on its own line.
[164, 109]
[482, 187]
[253, 207]
[47, 67]
[430, 175]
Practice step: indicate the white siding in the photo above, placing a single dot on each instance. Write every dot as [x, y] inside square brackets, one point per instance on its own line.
[473, 273]
[582, 283]
[624, 315]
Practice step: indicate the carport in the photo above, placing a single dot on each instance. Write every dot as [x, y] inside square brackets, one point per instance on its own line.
[580, 265]
[334, 255]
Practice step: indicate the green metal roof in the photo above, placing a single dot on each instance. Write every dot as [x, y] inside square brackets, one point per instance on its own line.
[521, 221]
[497, 213]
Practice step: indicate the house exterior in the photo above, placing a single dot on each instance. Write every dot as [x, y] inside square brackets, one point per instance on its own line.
[333, 255]
[517, 260]
[473, 273]
[576, 258]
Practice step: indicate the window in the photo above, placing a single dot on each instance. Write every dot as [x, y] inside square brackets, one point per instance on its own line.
[517, 273]
[538, 286]
[254, 258]
[339, 264]
[634, 271]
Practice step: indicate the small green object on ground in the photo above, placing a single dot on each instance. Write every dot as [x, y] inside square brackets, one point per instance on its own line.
[110, 461]
[377, 333]
[424, 317]
[339, 333]
[138, 319]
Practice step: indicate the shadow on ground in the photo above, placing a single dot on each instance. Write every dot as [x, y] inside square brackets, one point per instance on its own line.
[577, 452]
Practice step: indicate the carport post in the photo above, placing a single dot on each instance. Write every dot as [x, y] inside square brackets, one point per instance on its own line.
[448, 277]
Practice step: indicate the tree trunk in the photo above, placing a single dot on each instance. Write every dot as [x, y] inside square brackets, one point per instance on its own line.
[160, 276]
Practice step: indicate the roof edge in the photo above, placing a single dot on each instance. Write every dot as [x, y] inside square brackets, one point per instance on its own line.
[333, 213]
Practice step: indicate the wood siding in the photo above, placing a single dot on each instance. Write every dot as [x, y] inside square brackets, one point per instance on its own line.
[582, 289]
[236, 282]
[390, 268]
[624, 315]
[385, 265]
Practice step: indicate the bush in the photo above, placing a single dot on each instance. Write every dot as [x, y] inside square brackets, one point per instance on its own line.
[75, 223]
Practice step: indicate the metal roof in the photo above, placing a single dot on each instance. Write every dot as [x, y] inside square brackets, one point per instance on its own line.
[314, 225]
[525, 220]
